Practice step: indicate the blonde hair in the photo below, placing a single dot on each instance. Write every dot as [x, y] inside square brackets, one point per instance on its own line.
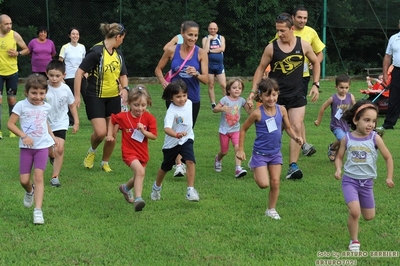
[137, 92]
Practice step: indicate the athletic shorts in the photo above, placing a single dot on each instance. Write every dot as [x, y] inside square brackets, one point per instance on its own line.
[259, 160]
[31, 157]
[292, 102]
[102, 107]
[11, 85]
[128, 158]
[224, 140]
[185, 150]
[216, 69]
[306, 80]
[361, 190]
[339, 133]
[62, 134]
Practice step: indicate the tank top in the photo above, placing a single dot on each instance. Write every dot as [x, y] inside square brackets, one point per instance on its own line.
[268, 143]
[361, 156]
[192, 83]
[339, 104]
[215, 58]
[287, 69]
[8, 64]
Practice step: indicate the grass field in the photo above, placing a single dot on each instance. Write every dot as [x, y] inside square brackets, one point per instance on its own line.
[88, 222]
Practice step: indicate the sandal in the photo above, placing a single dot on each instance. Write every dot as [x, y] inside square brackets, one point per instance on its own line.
[331, 153]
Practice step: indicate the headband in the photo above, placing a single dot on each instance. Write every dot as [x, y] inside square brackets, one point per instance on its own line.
[363, 107]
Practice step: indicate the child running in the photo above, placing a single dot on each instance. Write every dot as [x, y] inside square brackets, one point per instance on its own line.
[266, 159]
[179, 138]
[61, 99]
[35, 139]
[137, 126]
[229, 126]
[339, 102]
[360, 168]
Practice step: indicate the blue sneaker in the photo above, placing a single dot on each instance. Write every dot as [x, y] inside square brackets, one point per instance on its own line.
[294, 172]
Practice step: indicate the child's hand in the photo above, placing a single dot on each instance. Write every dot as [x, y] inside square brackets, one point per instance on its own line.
[389, 182]
[75, 128]
[140, 126]
[27, 141]
[338, 174]
[317, 122]
[55, 142]
[299, 140]
[109, 138]
[180, 135]
[241, 155]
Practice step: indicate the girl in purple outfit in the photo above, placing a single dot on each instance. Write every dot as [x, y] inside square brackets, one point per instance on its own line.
[42, 51]
[361, 148]
[266, 160]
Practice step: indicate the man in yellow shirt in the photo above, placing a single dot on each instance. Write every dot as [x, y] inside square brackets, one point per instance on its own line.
[9, 40]
[308, 34]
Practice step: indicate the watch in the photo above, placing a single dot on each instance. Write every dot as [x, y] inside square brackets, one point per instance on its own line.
[127, 88]
[316, 84]
[19, 53]
[197, 74]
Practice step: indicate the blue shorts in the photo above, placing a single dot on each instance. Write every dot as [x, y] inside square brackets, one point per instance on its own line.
[339, 133]
[259, 160]
[185, 150]
[361, 190]
[216, 69]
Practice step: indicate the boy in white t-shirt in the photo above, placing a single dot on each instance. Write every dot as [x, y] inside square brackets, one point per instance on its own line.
[61, 99]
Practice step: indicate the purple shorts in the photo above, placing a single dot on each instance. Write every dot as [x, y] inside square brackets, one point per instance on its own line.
[361, 190]
[259, 160]
[30, 157]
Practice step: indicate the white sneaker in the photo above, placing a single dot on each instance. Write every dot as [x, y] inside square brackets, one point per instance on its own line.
[192, 195]
[217, 164]
[55, 182]
[180, 170]
[155, 194]
[354, 245]
[38, 216]
[28, 199]
[272, 213]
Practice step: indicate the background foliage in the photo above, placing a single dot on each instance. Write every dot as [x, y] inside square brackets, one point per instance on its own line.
[356, 32]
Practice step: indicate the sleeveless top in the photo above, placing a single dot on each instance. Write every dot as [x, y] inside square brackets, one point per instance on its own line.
[215, 58]
[287, 69]
[268, 143]
[8, 65]
[192, 83]
[335, 106]
[361, 156]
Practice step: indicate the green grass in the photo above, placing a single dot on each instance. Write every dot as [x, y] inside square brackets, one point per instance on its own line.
[88, 222]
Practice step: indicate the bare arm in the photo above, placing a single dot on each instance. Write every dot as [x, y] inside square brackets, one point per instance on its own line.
[111, 131]
[309, 53]
[265, 60]
[387, 60]
[339, 158]
[206, 44]
[172, 42]
[322, 110]
[167, 55]
[388, 159]
[203, 57]
[74, 113]
[20, 42]
[253, 117]
[77, 86]
[219, 49]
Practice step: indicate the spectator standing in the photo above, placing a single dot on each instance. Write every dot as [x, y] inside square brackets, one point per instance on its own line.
[42, 51]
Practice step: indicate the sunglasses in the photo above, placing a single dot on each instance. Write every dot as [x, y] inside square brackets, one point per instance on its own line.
[284, 17]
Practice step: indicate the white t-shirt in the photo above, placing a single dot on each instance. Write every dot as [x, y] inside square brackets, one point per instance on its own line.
[179, 118]
[33, 121]
[59, 98]
[73, 56]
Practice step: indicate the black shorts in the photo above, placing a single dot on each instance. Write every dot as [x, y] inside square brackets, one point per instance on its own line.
[292, 102]
[185, 150]
[62, 134]
[11, 84]
[102, 107]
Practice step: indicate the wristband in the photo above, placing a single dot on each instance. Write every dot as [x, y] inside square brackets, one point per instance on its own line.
[126, 88]
[177, 136]
[316, 84]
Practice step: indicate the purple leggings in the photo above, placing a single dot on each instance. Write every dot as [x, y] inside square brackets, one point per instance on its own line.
[30, 157]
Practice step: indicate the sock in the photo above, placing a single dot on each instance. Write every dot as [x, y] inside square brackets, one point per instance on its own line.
[30, 193]
[104, 162]
[55, 177]
[293, 163]
[138, 198]
[125, 188]
[156, 187]
[238, 167]
[190, 188]
[91, 149]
